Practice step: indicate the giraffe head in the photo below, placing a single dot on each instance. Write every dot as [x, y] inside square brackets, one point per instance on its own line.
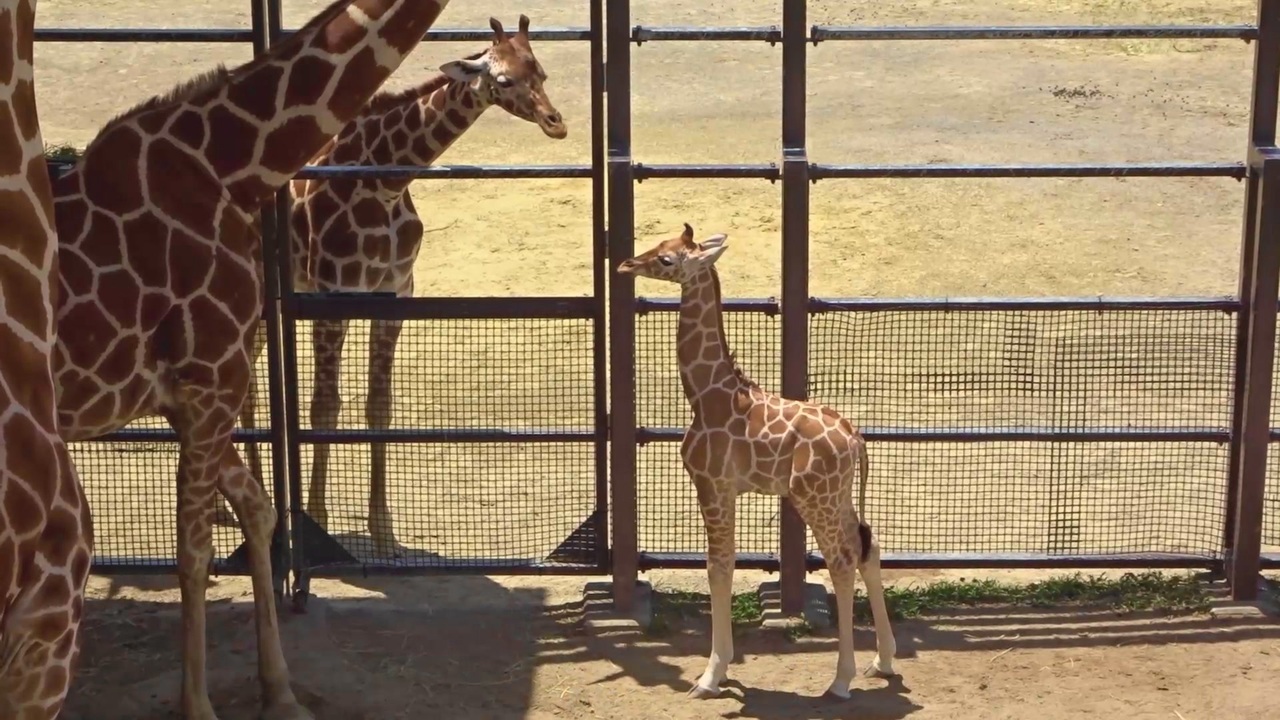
[512, 78]
[678, 260]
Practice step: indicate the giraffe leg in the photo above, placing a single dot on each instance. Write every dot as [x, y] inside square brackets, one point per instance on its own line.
[223, 514]
[886, 645]
[40, 638]
[258, 520]
[383, 336]
[327, 337]
[197, 474]
[840, 550]
[718, 506]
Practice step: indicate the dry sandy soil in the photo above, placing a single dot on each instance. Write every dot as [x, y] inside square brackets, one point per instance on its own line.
[869, 102]
[509, 648]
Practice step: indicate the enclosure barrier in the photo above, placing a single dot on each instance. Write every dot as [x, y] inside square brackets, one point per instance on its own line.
[1217, 522]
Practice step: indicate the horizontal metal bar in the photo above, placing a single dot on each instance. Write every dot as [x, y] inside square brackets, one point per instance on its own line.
[1271, 561]
[564, 34]
[1100, 303]
[764, 171]
[380, 306]
[821, 171]
[768, 306]
[903, 561]
[142, 35]
[479, 566]
[1013, 434]
[111, 566]
[823, 33]
[442, 435]
[771, 34]
[443, 172]
[168, 435]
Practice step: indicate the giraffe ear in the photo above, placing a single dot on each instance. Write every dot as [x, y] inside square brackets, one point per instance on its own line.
[715, 241]
[464, 70]
[499, 35]
[710, 250]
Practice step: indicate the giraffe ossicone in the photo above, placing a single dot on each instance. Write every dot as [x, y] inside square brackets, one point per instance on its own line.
[365, 235]
[743, 438]
[162, 280]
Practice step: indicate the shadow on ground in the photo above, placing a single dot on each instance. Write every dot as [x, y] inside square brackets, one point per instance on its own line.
[468, 647]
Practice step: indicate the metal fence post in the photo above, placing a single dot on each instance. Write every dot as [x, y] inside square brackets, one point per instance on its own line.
[600, 283]
[1253, 411]
[1262, 134]
[622, 307]
[795, 277]
[271, 243]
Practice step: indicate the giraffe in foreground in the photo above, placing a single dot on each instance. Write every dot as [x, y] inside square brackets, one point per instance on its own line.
[161, 270]
[745, 439]
[364, 235]
[46, 534]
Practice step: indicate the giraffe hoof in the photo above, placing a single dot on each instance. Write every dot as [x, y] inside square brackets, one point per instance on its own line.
[874, 670]
[698, 692]
[834, 697]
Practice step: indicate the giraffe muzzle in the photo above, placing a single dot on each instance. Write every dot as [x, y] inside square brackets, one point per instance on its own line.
[553, 125]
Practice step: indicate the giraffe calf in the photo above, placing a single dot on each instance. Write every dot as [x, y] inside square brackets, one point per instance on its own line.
[746, 439]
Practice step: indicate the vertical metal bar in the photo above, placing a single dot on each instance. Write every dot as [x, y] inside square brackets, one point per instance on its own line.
[270, 316]
[599, 282]
[291, 457]
[622, 308]
[1262, 133]
[795, 276]
[1255, 411]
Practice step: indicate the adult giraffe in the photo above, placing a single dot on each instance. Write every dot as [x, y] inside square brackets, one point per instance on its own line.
[46, 535]
[364, 235]
[161, 269]
[745, 439]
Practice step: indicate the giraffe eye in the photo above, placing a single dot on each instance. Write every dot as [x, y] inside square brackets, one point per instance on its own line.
[666, 260]
[503, 81]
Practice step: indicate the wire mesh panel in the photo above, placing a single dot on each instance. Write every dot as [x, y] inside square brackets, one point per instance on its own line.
[1060, 370]
[669, 520]
[1047, 498]
[1271, 502]
[1044, 371]
[499, 470]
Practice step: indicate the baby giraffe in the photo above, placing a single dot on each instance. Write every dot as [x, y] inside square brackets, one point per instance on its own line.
[746, 439]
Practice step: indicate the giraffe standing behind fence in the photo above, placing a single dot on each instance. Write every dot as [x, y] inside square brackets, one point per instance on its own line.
[364, 235]
[46, 534]
[745, 439]
[161, 269]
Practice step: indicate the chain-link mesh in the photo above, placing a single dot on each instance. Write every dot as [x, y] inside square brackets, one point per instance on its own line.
[1271, 499]
[1060, 370]
[466, 503]
[1047, 370]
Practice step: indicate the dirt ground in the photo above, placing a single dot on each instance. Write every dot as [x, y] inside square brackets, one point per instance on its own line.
[508, 648]
[522, 653]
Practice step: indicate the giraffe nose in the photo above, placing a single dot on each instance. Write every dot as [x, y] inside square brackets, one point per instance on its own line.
[553, 125]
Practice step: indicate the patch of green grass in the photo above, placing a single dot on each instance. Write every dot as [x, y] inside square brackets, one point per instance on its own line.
[62, 153]
[1155, 591]
[1127, 593]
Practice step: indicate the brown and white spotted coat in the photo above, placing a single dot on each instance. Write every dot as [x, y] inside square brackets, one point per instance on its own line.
[746, 439]
[161, 278]
[364, 235]
[46, 534]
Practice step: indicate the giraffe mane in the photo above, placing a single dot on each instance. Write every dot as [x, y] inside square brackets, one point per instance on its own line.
[739, 372]
[220, 75]
[389, 99]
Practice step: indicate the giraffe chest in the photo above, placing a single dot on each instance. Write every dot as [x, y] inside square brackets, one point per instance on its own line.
[726, 454]
[355, 241]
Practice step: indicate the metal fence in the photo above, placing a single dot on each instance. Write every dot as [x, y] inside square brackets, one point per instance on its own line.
[1101, 432]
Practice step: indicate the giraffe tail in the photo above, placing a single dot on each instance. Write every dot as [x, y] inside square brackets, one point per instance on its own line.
[864, 470]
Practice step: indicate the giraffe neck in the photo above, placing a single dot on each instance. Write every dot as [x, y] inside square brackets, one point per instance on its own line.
[424, 126]
[256, 125]
[707, 370]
